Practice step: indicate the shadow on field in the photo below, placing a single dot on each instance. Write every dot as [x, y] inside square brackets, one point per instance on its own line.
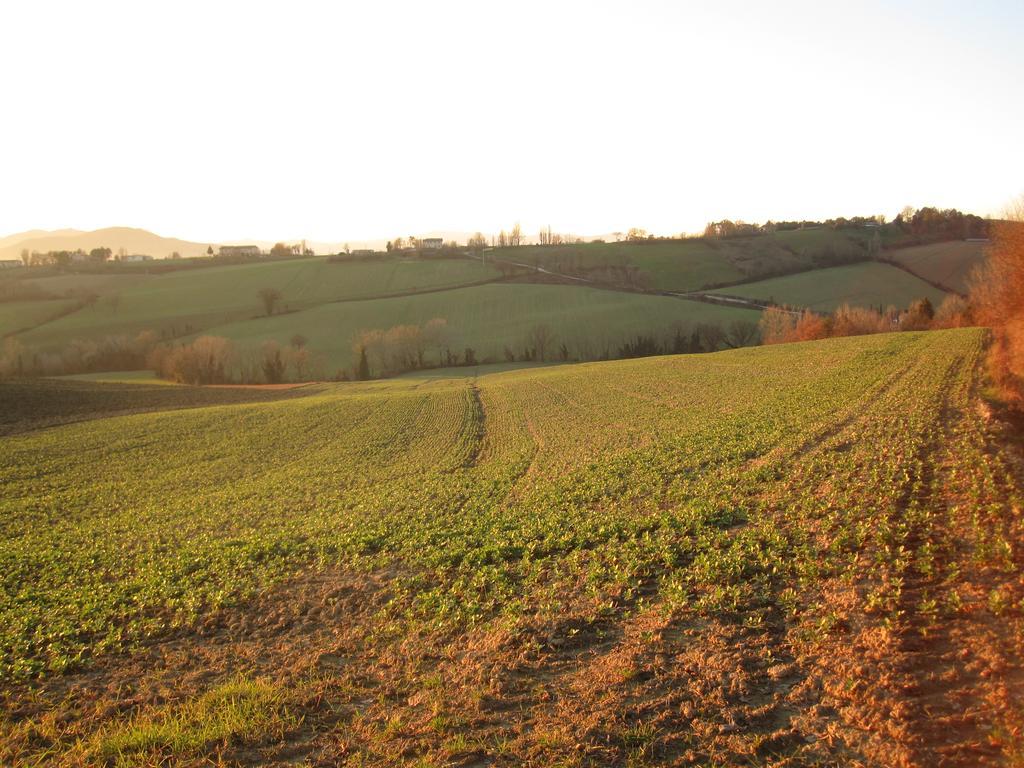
[27, 405]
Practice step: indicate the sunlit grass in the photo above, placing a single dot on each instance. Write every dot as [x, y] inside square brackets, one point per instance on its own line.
[239, 711]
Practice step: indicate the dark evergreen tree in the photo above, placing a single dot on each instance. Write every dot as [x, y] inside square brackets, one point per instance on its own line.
[363, 371]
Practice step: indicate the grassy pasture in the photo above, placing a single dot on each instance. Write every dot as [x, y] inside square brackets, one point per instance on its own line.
[868, 284]
[488, 318]
[795, 249]
[689, 265]
[191, 300]
[949, 264]
[675, 266]
[519, 566]
[88, 283]
[18, 315]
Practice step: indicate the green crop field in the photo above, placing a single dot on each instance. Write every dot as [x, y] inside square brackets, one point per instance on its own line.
[670, 266]
[948, 264]
[84, 284]
[764, 556]
[330, 302]
[867, 284]
[797, 249]
[488, 318]
[33, 404]
[19, 315]
[183, 302]
[690, 265]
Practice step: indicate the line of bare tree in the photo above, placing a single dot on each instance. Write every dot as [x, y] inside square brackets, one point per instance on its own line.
[780, 325]
[206, 360]
[401, 348]
[380, 352]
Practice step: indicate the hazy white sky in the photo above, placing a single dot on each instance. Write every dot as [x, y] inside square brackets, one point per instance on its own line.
[329, 120]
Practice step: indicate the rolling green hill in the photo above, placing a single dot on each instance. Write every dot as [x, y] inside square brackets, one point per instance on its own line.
[676, 265]
[490, 317]
[328, 303]
[18, 315]
[84, 284]
[635, 559]
[689, 265]
[184, 302]
[868, 284]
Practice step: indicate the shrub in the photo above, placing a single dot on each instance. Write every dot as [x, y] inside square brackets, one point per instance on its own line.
[997, 300]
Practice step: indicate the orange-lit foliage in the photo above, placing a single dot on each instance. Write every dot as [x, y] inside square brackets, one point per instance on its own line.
[810, 326]
[858, 321]
[919, 316]
[997, 298]
[205, 361]
[781, 326]
[953, 312]
[777, 325]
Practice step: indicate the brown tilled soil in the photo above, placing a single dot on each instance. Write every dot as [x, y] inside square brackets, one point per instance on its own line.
[593, 687]
[583, 688]
[608, 681]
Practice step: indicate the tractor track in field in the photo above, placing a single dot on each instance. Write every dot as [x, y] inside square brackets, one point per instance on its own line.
[850, 416]
[478, 414]
[960, 672]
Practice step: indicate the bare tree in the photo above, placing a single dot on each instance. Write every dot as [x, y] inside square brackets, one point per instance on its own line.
[540, 339]
[435, 335]
[299, 358]
[585, 349]
[404, 347]
[273, 362]
[515, 238]
[776, 325]
[270, 298]
[369, 345]
[204, 361]
[711, 336]
[740, 333]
